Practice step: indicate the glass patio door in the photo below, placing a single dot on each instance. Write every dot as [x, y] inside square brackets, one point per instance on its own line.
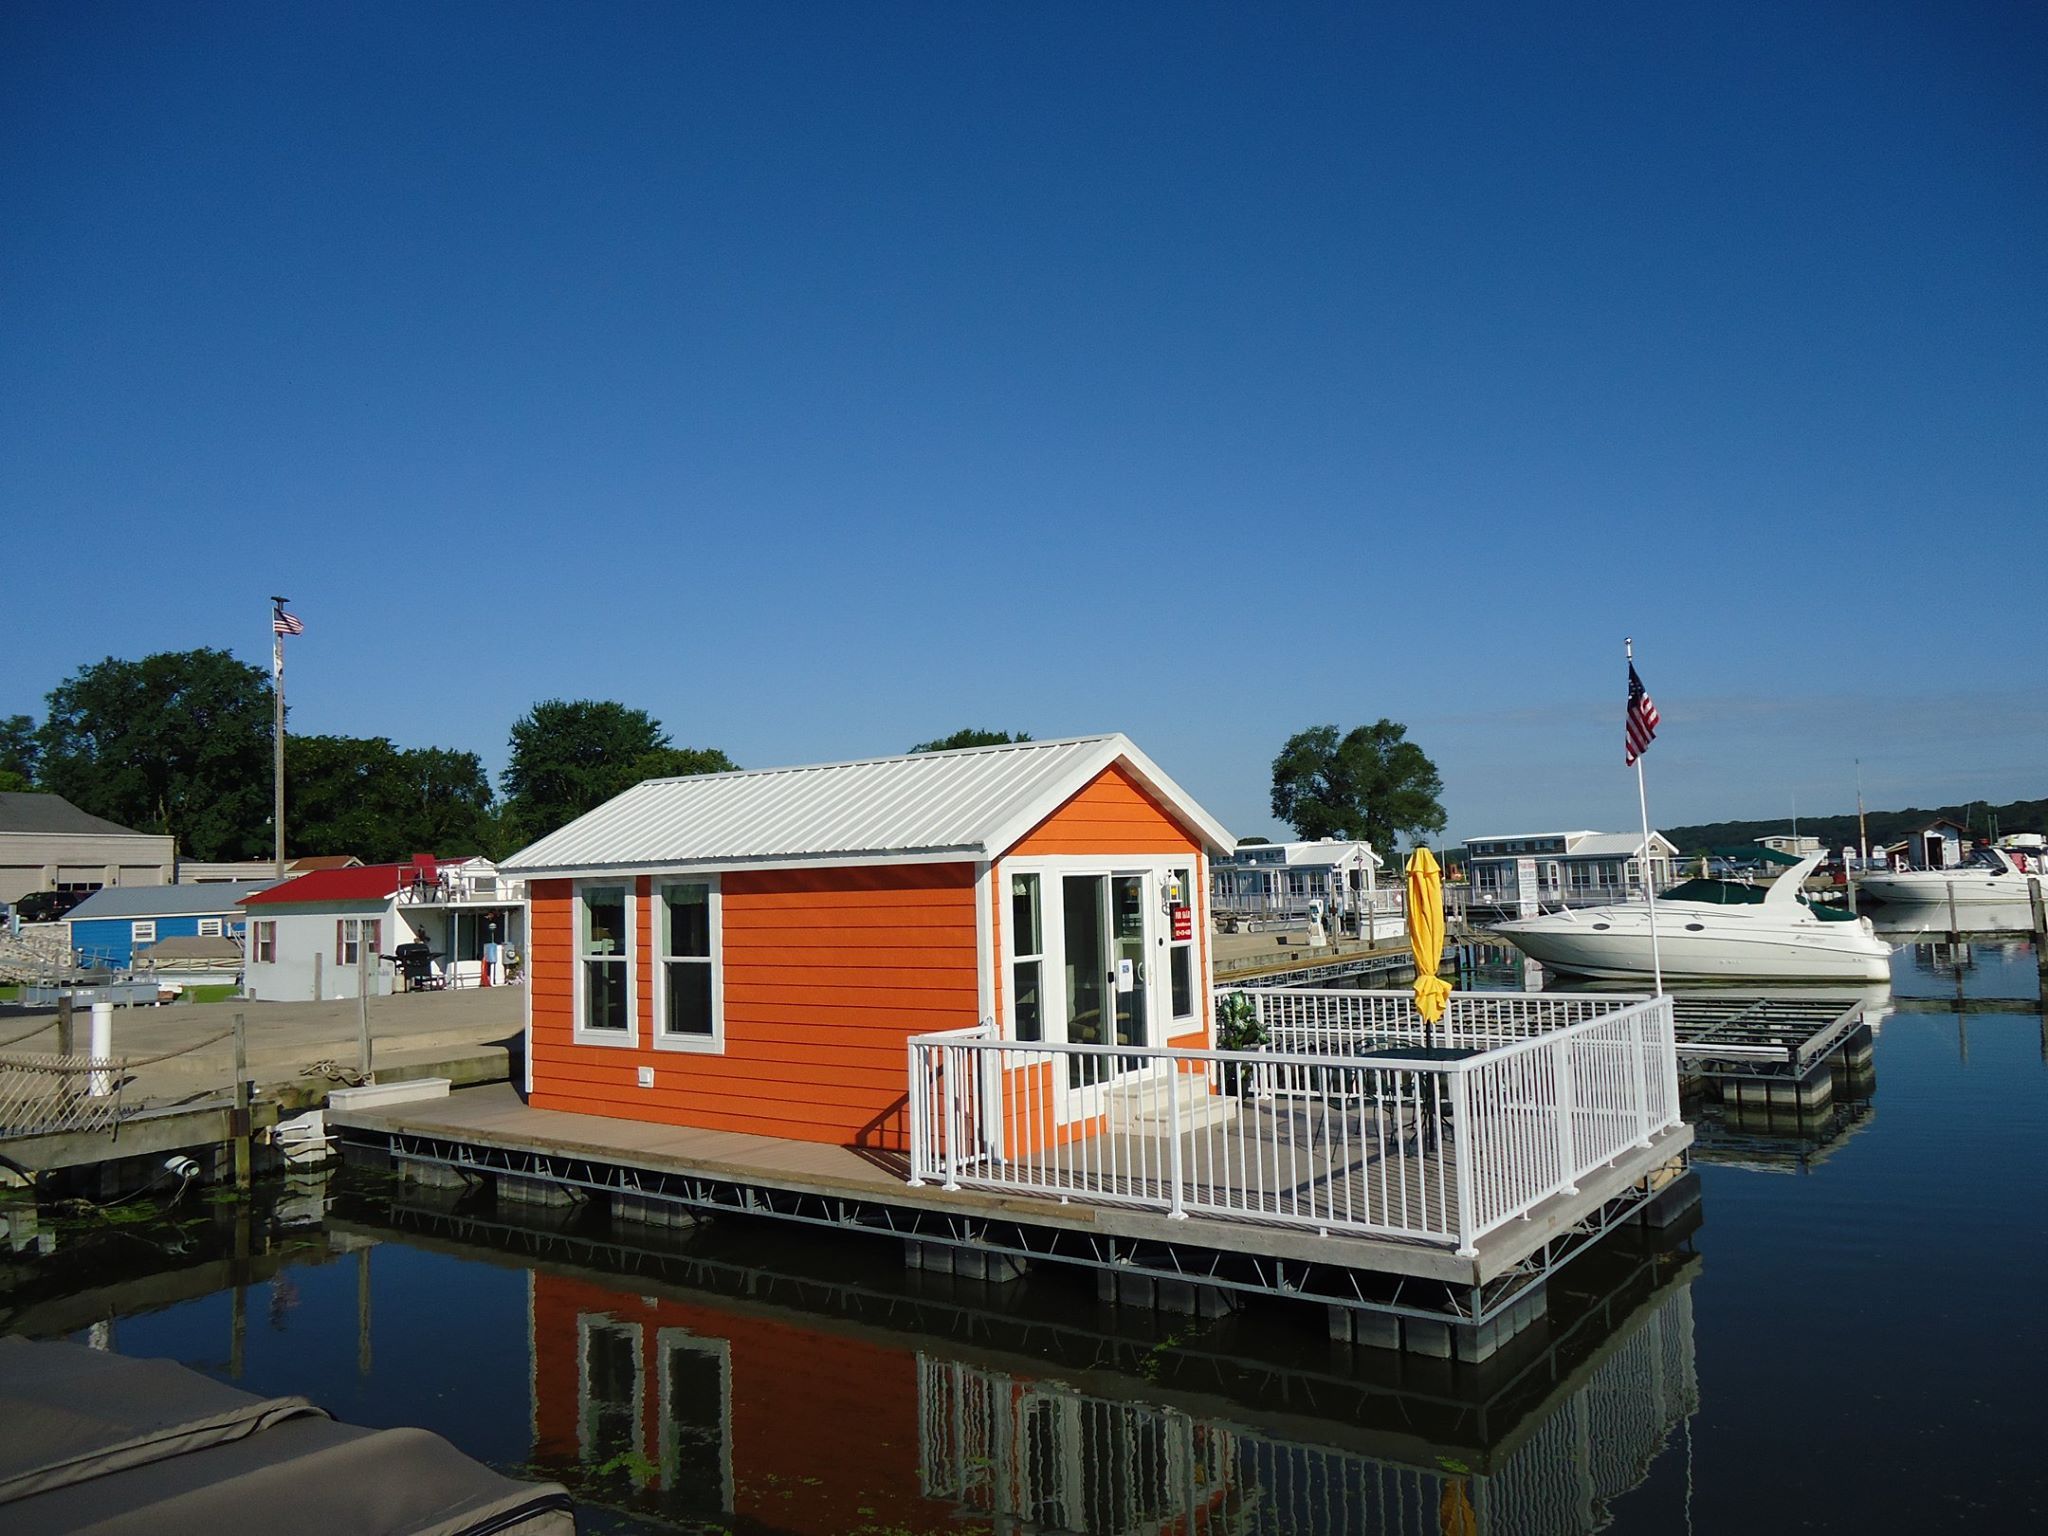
[1108, 988]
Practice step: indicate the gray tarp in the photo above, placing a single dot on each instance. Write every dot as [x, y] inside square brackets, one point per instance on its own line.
[98, 1442]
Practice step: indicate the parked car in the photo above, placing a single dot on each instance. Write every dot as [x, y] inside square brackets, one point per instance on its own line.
[48, 906]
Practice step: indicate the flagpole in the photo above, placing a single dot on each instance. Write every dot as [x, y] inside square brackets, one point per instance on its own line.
[1649, 884]
[277, 731]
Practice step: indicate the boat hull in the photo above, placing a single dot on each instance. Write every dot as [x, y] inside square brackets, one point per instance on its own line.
[1926, 888]
[1624, 953]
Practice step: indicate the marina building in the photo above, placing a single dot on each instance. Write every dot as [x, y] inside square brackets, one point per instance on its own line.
[313, 937]
[199, 872]
[1940, 844]
[1797, 847]
[49, 844]
[110, 927]
[1277, 881]
[1575, 869]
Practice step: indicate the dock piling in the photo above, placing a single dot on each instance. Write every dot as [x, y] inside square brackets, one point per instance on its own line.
[363, 1007]
[67, 1030]
[100, 1083]
[2038, 914]
[1955, 929]
[240, 1127]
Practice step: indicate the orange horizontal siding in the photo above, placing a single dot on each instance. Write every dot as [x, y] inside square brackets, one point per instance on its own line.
[1112, 814]
[827, 973]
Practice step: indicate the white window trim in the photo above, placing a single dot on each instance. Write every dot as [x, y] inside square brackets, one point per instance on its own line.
[209, 928]
[712, 1044]
[1181, 1025]
[355, 932]
[1052, 925]
[667, 1341]
[588, 1324]
[1009, 957]
[142, 931]
[629, 1037]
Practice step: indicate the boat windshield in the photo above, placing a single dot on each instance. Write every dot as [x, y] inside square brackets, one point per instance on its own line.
[1829, 914]
[1719, 893]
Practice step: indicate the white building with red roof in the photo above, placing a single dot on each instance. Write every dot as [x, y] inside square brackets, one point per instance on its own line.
[333, 932]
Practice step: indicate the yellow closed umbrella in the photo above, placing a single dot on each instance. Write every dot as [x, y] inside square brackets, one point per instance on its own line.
[1426, 934]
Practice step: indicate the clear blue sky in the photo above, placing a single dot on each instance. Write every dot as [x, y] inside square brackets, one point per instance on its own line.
[825, 377]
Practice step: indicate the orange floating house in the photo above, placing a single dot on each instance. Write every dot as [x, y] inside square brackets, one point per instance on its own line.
[753, 951]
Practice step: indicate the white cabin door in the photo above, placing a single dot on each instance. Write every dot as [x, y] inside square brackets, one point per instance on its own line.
[1106, 925]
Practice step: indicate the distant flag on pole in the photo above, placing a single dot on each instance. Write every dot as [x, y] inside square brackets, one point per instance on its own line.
[1640, 724]
[282, 623]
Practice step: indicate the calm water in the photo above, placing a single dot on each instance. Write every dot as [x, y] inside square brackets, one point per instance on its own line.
[1850, 1339]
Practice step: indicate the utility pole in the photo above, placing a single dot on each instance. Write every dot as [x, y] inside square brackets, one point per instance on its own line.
[277, 634]
[1862, 831]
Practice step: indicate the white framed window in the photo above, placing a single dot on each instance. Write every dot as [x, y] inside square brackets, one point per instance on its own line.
[604, 965]
[209, 927]
[351, 934]
[1027, 959]
[143, 932]
[689, 991]
[266, 943]
[1180, 962]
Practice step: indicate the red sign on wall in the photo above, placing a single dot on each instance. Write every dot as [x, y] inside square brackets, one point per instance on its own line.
[1183, 923]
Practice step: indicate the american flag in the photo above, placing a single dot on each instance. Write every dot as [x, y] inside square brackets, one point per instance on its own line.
[282, 623]
[1640, 722]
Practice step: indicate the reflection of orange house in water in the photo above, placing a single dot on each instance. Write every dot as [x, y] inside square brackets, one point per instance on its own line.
[753, 951]
[712, 1412]
[716, 1412]
[648, 1385]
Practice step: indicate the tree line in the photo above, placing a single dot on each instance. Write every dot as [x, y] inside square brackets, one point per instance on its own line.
[180, 743]
[1979, 817]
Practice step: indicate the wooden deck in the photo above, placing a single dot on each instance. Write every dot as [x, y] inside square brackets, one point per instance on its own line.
[496, 1118]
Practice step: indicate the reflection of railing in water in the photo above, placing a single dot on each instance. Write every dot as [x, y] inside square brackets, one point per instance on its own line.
[1005, 1448]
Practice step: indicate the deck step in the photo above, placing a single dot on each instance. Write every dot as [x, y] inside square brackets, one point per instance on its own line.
[1147, 1106]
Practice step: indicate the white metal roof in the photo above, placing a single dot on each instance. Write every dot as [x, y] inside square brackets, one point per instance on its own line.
[1580, 845]
[968, 804]
[1532, 837]
[1609, 845]
[1328, 850]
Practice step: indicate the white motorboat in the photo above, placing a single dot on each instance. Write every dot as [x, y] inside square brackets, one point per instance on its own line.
[1996, 875]
[1712, 930]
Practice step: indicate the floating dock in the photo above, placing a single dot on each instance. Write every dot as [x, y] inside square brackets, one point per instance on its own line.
[1422, 1298]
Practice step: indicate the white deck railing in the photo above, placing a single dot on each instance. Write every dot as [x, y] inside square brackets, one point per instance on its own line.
[1354, 1118]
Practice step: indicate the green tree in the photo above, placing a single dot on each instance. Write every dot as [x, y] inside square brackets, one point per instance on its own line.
[178, 742]
[1370, 783]
[365, 796]
[972, 736]
[570, 757]
[18, 752]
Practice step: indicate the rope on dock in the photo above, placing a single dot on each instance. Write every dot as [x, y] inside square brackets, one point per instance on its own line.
[46, 1024]
[334, 1072]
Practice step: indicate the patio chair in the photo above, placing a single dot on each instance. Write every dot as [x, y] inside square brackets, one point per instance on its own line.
[427, 876]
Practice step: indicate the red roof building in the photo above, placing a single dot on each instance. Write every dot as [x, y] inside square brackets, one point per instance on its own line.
[336, 931]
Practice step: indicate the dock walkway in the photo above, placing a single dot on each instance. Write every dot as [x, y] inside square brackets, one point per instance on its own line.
[180, 1090]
